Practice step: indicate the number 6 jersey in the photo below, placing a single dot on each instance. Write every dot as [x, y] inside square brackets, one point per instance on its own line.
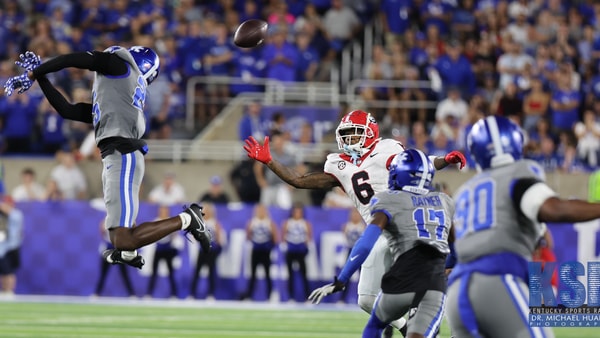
[368, 176]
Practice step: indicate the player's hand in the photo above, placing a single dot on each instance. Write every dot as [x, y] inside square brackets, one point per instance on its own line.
[318, 294]
[22, 82]
[29, 60]
[456, 157]
[258, 152]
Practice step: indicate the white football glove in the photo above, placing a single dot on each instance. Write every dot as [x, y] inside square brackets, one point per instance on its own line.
[318, 294]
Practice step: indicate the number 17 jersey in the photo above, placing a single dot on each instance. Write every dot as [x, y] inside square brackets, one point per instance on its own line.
[368, 176]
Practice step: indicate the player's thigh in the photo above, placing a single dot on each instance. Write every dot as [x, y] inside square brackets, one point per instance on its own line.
[429, 314]
[389, 307]
[373, 268]
[500, 304]
[122, 176]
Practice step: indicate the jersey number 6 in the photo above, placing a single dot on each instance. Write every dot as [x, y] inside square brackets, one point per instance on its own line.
[361, 187]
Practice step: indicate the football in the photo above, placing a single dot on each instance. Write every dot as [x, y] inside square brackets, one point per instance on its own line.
[250, 33]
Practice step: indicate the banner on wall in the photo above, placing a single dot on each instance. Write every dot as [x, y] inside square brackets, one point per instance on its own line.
[61, 253]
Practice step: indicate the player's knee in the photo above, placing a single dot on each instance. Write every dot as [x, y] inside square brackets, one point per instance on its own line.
[366, 302]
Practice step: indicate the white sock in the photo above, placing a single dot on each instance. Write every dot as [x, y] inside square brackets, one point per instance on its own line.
[129, 255]
[398, 323]
[186, 220]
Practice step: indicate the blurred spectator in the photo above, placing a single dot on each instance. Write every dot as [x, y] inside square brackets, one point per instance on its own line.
[280, 56]
[296, 234]
[337, 198]
[105, 266]
[544, 252]
[164, 250]
[262, 233]
[167, 193]
[511, 62]
[18, 114]
[308, 61]
[436, 13]
[507, 103]
[11, 237]
[352, 229]
[217, 62]
[535, 104]
[247, 65]
[546, 156]
[463, 22]
[278, 122]
[209, 259]
[67, 181]
[29, 189]
[519, 30]
[565, 104]
[52, 128]
[273, 191]
[244, 181]
[215, 193]
[341, 24]
[396, 18]
[451, 113]
[157, 108]
[455, 70]
[419, 137]
[588, 138]
[251, 123]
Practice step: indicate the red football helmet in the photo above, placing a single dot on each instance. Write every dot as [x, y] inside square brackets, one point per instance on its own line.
[357, 132]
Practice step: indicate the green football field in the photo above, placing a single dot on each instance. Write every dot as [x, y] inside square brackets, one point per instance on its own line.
[81, 317]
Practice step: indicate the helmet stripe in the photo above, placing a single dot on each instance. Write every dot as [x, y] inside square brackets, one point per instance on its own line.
[494, 134]
[425, 173]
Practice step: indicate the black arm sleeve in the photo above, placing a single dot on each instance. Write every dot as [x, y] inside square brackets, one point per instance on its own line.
[105, 63]
[78, 112]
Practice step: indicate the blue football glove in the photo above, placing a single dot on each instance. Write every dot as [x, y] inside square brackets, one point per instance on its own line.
[22, 82]
[29, 60]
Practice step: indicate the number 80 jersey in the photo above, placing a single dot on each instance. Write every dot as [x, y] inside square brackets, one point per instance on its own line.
[367, 177]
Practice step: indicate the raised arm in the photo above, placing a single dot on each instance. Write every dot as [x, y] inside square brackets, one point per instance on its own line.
[105, 63]
[78, 112]
[312, 180]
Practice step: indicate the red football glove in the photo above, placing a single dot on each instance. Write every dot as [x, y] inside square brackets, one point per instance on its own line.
[456, 157]
[258, 152]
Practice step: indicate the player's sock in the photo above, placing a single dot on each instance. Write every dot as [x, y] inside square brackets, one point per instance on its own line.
[374, 327]
[186, 220]
[129, 255]
[399, 323]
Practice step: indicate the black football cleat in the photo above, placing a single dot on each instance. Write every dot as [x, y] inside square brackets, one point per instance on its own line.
[113, 256]
[197, 227]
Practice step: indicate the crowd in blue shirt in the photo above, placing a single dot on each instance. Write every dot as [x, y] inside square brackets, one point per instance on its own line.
[491, 51]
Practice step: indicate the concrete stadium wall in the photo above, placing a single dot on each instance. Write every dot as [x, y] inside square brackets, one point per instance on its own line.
[195, 175]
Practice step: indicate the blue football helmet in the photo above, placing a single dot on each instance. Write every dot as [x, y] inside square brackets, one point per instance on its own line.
[147, 61]
[495, 141]
[411, 170]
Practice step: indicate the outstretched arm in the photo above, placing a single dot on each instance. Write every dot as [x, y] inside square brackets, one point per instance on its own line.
[78, 112]
[452, 157]
[313, 180]
[105, 63]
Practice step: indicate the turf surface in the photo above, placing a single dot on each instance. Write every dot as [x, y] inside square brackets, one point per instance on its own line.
[82, 317]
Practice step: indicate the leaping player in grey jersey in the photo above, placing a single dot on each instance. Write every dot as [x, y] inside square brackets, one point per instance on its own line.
[116, 112]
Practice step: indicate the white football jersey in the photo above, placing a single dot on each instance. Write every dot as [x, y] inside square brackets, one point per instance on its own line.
[368, 176]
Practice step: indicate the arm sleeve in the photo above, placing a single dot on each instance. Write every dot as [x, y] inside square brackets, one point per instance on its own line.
[359, 252]
[78, 112]
[528, 195]
[105, 63]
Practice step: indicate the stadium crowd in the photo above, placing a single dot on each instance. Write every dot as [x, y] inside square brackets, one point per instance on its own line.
[535, 62]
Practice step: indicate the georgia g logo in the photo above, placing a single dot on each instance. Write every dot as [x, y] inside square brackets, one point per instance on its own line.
[341, 165]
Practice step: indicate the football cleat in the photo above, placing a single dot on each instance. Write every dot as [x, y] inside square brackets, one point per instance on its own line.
[197, 227]
[113, 256]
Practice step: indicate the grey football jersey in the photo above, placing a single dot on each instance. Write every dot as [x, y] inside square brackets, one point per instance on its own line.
[415, 219]
[118, 101]
[486, 220]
